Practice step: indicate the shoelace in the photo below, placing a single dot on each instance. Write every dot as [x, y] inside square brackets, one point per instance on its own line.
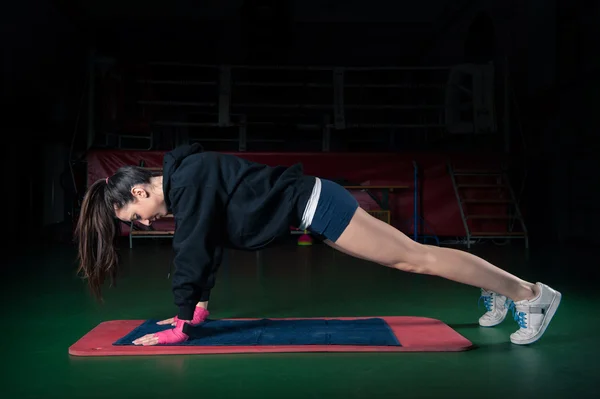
[519, 317]
[488, 301]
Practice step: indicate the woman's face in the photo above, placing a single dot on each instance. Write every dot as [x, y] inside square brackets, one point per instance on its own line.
[147, 206]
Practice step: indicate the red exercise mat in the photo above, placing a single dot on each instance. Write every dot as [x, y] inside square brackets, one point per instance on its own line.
[416, 334]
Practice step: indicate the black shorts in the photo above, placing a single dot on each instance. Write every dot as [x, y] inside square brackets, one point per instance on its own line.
[335, 209]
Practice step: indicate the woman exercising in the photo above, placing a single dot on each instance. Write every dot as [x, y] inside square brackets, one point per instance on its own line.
[221, 201]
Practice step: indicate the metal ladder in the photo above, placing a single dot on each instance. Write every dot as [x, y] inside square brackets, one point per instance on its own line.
[490, 188]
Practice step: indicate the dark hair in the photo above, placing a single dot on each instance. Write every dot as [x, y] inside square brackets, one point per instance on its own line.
[98, 226]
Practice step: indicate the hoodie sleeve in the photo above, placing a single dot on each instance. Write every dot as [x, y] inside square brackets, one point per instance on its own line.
[211, 275]
[193, 243]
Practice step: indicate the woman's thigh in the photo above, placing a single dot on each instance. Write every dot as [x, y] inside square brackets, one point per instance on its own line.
[369, 238]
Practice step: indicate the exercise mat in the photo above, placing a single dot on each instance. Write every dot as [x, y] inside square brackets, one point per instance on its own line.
[340, 334]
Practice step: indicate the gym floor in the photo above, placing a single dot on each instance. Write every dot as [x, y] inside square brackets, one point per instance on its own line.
[47, 308]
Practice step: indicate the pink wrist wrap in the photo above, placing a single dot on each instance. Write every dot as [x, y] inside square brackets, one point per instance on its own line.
[174, 335]
[200, 314]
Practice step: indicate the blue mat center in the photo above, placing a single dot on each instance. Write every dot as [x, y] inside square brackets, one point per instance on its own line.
[373, 331]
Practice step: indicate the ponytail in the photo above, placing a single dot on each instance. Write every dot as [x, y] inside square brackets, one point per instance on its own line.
[96, 233]
[98, 227]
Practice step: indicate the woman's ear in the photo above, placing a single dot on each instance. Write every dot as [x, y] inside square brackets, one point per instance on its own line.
[139, 192]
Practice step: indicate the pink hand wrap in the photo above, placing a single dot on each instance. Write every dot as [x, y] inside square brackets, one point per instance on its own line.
[174, 335]
[200, 314]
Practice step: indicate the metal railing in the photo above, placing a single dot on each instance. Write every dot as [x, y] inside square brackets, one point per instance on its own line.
[359, 104]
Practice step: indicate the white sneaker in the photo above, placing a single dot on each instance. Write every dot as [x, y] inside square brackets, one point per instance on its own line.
[533, 316]
[497, 307]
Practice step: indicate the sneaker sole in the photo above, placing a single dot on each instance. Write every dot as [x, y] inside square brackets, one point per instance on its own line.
[551, 311]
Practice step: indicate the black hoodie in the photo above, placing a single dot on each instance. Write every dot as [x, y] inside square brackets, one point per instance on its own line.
[219, 201]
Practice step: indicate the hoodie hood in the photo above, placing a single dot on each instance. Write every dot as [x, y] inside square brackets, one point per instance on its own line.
[171, 162]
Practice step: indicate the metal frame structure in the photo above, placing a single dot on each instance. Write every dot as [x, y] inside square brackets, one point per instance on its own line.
[502, 183]
[374, 103]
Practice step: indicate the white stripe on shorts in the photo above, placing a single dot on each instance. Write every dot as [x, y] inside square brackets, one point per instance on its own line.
[311, 205]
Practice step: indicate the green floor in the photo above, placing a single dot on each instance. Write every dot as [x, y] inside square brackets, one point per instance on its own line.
[47, 309]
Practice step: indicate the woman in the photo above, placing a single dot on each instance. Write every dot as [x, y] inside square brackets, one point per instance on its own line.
[222, 201]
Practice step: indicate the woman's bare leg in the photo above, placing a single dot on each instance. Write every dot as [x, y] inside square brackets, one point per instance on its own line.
[371, 239]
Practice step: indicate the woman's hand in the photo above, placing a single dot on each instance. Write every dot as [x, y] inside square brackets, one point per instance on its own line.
[170, 321]
[146, 340]
[200, 314]
[172, 336]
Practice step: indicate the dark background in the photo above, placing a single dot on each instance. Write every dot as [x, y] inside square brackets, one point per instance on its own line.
[551, 46]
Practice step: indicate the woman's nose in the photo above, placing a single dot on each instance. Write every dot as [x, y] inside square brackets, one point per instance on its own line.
[145, 222]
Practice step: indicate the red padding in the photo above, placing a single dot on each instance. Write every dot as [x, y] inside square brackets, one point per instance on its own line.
[416, 334]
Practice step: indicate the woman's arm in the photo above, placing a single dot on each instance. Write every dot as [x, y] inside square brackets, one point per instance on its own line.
[194, 244]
